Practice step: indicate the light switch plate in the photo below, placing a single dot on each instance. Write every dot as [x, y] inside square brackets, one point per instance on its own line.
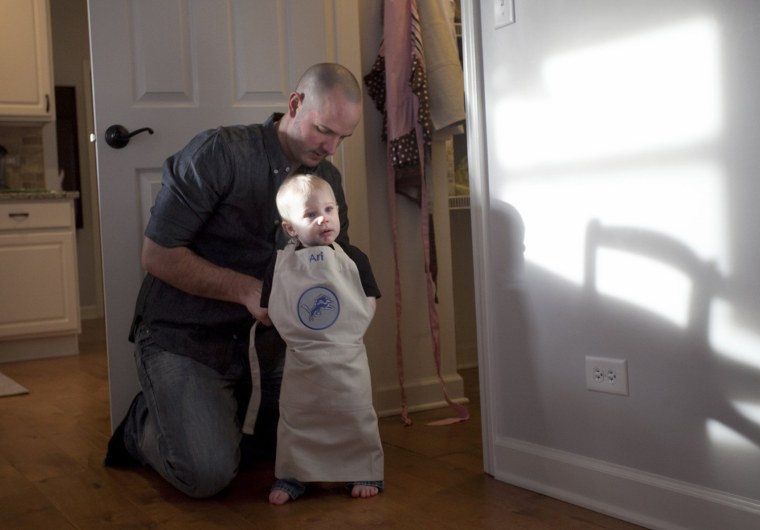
[504, 13]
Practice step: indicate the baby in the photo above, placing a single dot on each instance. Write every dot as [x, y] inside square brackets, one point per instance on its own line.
[321, 298]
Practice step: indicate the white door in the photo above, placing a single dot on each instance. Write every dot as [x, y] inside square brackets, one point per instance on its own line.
[178, 67]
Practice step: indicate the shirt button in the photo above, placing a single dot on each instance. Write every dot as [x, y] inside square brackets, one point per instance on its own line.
[276, 171]
[287, 169]
[234, 337]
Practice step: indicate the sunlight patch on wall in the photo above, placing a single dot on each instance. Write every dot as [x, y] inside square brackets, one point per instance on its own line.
[750, 411]
[615, 132]
[731, 339]
[721, 435]
[654, 92]
[645, 282]
[557, 209]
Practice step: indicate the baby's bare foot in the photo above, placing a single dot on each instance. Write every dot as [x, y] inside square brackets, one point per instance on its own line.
[362, 491]
[278, 497]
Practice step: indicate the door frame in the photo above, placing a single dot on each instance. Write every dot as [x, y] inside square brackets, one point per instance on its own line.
[479, 209]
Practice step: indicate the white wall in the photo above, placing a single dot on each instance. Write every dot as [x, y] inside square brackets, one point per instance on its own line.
[641, 115]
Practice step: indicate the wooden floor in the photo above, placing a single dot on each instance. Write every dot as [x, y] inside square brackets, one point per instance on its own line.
[52, 443]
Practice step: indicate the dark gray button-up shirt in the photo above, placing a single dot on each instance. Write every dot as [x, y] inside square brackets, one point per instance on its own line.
[218, 199]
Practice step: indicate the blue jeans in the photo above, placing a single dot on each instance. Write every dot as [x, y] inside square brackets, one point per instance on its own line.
[185, 423]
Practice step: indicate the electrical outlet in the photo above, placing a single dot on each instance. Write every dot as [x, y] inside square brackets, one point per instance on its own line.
[607, 375]
[504, 13]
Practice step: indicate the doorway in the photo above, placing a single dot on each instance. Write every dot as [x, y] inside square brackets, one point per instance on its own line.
[461, 239]
[71, 58]
[72, 68]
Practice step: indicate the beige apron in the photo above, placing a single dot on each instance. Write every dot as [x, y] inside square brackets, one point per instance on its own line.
[328, 427]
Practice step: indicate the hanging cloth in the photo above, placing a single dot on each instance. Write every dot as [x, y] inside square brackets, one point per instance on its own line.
[398, 85]
[443, 67]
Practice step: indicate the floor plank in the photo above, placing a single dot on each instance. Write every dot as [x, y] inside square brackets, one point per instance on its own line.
[52, 443]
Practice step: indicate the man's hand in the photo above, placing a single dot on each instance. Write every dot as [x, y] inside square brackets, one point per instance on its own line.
[259, 313]
[180, 267]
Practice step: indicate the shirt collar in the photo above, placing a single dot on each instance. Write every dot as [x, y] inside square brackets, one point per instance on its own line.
[278, 162]
[277, 159]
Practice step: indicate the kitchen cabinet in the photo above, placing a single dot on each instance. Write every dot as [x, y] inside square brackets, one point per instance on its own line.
[38, 278]
[26, 92]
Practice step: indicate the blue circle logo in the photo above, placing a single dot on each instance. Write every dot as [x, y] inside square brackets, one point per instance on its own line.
[318, 308]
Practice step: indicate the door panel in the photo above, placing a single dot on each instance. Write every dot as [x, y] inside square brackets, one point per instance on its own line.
[164, 62]
[255, 23]
[150, 184]
[179, 67]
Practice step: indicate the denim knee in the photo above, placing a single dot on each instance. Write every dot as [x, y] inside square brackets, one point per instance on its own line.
[204, 478]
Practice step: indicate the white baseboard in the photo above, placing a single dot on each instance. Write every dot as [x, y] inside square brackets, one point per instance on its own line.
[39, 348]
[422, 394]
[629, 494]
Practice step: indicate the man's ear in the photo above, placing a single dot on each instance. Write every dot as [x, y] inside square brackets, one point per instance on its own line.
[294, 101]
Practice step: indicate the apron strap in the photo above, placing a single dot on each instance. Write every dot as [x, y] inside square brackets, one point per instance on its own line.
[435, 328]
[397, 288]
[253, 405]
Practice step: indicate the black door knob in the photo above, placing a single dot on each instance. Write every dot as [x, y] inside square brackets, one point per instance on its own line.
[117, 136]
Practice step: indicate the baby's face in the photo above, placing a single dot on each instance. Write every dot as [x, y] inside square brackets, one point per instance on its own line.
[315, 219]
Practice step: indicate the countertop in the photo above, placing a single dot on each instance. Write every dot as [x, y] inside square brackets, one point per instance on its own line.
[36, 194]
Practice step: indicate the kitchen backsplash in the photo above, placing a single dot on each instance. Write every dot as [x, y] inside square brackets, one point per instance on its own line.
[25, 165]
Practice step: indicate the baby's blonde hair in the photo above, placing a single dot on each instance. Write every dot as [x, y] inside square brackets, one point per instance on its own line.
[298, 187]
